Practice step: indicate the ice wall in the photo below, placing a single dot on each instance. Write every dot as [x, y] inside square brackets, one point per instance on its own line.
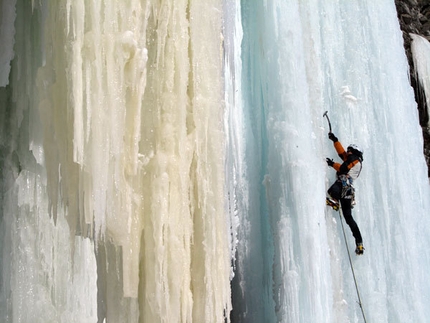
[299, 59]
[130, 180]
[113, 152]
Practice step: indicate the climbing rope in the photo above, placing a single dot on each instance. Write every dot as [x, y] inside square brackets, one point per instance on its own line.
[352, 267]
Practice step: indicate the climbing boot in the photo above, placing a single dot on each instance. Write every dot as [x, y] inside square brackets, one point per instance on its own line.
[333, 203]
[360, 249]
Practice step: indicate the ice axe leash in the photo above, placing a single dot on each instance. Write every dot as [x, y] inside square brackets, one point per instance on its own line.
[328, 119]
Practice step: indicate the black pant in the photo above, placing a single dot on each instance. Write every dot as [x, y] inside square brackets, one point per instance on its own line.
[335, 192]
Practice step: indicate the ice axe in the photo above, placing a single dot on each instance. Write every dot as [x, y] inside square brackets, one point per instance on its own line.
[326, 115]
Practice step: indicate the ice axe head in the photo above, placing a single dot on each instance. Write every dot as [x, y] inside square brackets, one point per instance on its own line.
[326, 115]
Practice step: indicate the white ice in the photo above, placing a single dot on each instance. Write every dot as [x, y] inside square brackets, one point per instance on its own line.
[116, 118]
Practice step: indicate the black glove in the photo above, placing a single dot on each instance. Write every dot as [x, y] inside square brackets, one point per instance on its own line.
[332, 137]
[329, 161]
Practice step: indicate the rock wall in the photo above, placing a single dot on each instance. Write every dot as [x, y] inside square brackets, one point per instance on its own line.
[414, 17]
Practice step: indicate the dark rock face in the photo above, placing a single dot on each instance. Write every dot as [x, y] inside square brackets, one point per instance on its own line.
[414, 17]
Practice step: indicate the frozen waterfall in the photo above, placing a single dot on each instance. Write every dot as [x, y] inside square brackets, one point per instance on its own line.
[164, 161]
[300, 58]
[112, 155]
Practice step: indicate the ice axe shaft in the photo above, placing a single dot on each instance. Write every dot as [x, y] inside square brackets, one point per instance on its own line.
[326, 115]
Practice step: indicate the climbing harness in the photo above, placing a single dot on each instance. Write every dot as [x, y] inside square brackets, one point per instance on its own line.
[352, 268]
[348, 190]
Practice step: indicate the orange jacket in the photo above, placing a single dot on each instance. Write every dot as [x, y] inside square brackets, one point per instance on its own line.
[351, 164]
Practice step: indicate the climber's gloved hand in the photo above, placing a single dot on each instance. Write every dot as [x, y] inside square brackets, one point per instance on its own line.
[330, 162]
[332, 137]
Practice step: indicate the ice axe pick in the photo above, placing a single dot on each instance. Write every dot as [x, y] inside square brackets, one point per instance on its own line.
[326, 115]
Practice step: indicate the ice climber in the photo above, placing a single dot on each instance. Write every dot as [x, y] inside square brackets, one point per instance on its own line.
[342, 190]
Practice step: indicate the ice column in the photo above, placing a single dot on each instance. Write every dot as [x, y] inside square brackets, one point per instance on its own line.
[420, 48]
[7, 31]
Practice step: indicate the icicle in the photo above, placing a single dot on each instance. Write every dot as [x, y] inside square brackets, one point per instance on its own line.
[7, 39]
[420, 48]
